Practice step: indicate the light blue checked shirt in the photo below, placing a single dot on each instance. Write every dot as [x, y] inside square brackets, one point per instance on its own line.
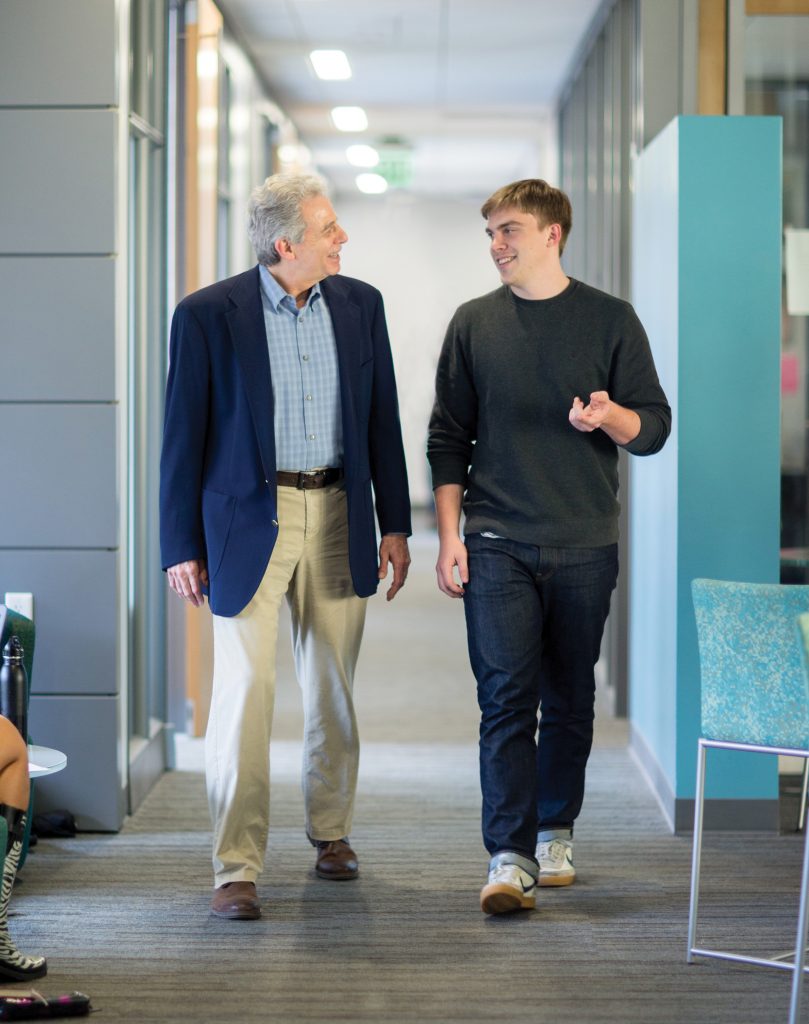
[305, 378]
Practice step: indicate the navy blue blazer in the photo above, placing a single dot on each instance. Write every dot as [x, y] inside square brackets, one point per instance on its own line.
[217, 468]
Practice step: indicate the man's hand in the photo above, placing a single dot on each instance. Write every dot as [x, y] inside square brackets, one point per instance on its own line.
[620, 424]
[393, 550]
[452, 552]
[590, 417]
[187, 579]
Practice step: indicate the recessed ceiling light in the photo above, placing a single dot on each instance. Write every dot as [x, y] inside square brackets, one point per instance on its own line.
[207, 64]
[349, 119]
[330, 65]
[362, 156]
[371, 184]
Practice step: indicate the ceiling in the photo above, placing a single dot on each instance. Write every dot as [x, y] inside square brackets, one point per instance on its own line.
[459, 93]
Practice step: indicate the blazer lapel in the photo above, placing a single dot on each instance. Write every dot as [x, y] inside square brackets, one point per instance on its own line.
[245, 320]
[347, 324]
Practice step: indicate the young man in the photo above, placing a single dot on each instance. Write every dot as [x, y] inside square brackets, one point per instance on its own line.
[281, 416]
[538, 385]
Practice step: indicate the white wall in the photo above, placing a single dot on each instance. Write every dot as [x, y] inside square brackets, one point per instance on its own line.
[426, 257]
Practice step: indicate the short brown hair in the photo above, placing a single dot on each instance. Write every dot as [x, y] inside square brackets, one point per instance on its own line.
[533, 195]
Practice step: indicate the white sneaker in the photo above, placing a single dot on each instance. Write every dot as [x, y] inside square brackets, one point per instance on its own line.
[556, 862]
[508, 888]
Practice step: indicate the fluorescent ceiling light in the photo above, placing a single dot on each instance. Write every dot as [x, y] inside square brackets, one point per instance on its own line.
[349, 119]
[330, 65]
[362, 156]
[371, 184]
[207, 117]
[207, 64]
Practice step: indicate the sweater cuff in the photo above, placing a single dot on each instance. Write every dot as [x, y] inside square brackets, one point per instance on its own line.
[447, 471]
[648, 440]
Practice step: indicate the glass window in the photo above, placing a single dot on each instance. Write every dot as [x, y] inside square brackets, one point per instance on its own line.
[147, 316]
[776, 73]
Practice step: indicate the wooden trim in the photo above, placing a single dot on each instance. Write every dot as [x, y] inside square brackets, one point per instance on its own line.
[200, 268]
[775, 7]
[190, 277]
[712, 58]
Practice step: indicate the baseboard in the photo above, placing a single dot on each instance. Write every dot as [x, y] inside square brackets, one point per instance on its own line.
[147, 762]
[720, 815]
[729, 816]
[652, 771]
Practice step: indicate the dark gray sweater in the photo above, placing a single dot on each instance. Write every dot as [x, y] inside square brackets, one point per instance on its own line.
[506, 379]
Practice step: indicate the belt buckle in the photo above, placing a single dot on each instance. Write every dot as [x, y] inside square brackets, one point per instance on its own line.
[304, 476]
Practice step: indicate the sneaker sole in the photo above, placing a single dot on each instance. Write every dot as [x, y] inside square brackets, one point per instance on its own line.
[555, 880]
[504, 899]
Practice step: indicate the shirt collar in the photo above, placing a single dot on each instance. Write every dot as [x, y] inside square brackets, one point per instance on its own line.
[275, 294]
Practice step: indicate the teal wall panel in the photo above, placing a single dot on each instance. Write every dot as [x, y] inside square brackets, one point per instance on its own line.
[714, 185]
[730, 325]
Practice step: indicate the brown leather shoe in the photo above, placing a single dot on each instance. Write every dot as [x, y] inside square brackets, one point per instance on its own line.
[236, 901]
[336, 860]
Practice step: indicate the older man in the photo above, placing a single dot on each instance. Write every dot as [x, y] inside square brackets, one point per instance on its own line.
[281, 430]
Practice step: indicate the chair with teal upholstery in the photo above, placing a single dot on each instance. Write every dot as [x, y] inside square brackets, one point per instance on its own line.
[755, 698]
[14, 624]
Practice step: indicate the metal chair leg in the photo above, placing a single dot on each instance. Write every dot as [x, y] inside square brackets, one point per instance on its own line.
[800, 941]
[696, 854]
[804, 795]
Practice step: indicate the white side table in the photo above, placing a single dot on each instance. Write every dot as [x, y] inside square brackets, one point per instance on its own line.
[44, 761]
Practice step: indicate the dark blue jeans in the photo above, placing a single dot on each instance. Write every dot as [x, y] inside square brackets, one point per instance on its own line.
[534, 621]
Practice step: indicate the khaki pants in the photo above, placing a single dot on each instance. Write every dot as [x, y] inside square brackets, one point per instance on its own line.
[310, 566]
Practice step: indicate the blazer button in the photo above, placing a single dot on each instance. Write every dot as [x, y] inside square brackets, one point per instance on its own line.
[275, 522]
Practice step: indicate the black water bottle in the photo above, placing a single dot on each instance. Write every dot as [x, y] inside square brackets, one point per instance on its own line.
[14, 686]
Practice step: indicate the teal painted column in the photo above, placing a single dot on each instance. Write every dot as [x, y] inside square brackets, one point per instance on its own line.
[707, 286]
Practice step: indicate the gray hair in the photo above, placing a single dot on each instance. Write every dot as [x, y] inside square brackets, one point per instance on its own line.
[274, 212]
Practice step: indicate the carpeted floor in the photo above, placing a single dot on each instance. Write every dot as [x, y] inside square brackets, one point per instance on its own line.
[125, 919]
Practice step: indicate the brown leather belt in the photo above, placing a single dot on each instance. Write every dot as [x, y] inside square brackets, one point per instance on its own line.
[309, 479]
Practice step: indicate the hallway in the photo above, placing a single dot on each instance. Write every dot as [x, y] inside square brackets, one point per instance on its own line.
[124, 917]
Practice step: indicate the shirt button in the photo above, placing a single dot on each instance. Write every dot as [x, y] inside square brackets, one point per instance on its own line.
[308, 398]
[306, 359]
[311, 437]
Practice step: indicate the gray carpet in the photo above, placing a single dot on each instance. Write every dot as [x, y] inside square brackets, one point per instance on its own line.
[125, 917]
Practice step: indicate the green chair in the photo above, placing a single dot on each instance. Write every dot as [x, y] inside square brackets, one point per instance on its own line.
[14, 624]
[755, 698]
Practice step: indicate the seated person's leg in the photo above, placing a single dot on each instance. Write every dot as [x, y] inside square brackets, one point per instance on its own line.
[14, 789]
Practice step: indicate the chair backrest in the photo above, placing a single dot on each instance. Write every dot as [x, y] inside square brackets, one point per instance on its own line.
[754, 689]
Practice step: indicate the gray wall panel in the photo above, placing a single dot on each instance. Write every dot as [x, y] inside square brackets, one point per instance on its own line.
[62, 349]
[58, 173]
[76, 616]
[58, 53]
[86, 729]
[62, 459]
